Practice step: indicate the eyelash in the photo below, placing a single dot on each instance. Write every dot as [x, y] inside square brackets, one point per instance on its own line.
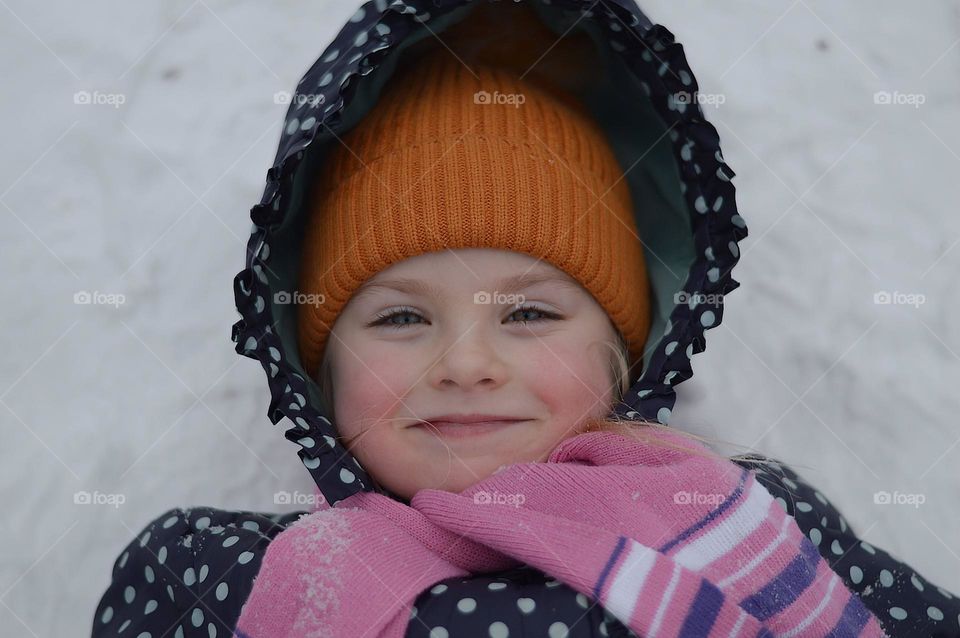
[383, 318]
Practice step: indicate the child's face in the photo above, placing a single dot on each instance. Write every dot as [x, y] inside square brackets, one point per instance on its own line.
[456, 354]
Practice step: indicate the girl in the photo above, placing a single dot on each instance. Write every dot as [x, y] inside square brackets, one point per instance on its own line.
[503, 248]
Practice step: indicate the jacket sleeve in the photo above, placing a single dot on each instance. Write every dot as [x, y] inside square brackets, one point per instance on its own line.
[187, 573]
[905, 603]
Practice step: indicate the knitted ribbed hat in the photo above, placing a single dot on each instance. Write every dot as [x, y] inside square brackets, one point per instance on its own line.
[456, 157]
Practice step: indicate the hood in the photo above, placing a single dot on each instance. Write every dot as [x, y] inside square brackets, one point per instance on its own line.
[671, 155]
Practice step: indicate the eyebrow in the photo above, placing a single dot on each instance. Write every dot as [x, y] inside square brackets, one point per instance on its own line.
[507, 285]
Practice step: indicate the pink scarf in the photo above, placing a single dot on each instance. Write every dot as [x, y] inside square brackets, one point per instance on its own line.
[670, 542]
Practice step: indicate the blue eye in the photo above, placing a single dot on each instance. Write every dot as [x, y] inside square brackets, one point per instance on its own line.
[545, 314]
[386, 319]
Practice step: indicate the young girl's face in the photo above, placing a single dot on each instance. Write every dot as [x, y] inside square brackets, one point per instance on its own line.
[443, 334]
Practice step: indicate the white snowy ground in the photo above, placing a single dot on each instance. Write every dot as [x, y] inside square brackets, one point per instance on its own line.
[843, 197]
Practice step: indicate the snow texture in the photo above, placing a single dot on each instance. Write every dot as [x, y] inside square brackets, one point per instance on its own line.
[146, 402]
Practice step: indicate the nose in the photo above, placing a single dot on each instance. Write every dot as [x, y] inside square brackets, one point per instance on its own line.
[470, 361]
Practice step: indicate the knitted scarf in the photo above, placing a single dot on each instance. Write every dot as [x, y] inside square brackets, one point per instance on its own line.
[669, 541]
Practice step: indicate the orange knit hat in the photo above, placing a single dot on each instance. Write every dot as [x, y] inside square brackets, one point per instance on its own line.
[451, 157]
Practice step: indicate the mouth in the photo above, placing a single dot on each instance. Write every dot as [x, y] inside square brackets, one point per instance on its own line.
[466, 428]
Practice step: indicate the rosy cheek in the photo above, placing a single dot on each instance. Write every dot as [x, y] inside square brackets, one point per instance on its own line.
[369, 386]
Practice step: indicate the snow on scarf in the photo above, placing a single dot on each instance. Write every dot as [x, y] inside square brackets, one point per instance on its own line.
[671, 542]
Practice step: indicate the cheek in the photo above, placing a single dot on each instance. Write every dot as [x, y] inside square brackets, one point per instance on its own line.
[367, 388]
[572, 380]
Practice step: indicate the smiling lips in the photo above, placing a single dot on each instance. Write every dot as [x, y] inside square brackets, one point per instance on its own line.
[465, 425]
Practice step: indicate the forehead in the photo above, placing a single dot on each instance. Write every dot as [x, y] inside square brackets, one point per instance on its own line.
[492, 270]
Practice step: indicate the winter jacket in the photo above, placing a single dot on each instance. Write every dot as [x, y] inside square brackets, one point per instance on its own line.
[189, 572]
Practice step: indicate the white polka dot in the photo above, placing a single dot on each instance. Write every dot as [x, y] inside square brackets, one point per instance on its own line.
[835, 547]
[867, 548]
[934, 613]
[245, 558]
[582, 601]
[898, 612]
[126, 623]
[150, 608]
[916, 583]
[439, 632]
[148, 573]
[251, 525]
[107, 615]
[204, 569]
[886, 578]
[143, 634]
[558, 630]
[211, 630]
[189, 577]
[466, 605]
[707, 318]
[179, 632]
[498, 630]
[170, 522]
[856, 574]
[162, 555]
[196, 617]
[438, 589]
[230, 541]
[526, 605]
[803, 506]
[815, 535]
[129, 593]
[496, 586]
[202, 523]
[222, 590]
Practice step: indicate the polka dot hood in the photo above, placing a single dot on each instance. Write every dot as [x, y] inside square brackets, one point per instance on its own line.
[691, 227]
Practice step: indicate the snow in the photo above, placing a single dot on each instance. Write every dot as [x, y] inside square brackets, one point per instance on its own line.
[145, 406]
